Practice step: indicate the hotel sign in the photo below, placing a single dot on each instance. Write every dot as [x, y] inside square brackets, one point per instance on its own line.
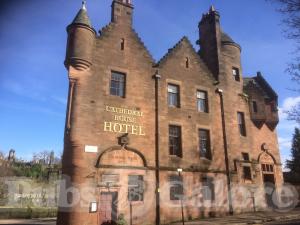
[124, 121]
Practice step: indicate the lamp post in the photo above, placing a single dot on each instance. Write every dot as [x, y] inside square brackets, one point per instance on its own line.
[130, 212]
[131, 197]
[179, 170]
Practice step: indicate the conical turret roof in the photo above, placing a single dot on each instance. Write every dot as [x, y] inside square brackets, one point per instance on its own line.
[226, 38]
[82, 16]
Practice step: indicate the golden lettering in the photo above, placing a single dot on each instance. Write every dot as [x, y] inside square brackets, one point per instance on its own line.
[124, 111]
[122, 117]
[126, 128]
[119, 130]
[141, 132]
[134, 130]
[108, 126]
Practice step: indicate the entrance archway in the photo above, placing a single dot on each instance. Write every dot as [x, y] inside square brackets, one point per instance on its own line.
[115, 166]
[267, 163]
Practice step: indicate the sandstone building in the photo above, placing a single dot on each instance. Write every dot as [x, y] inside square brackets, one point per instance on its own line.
[158, 141]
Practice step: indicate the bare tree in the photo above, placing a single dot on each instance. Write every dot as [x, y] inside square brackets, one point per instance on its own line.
[290, 10]
[42, 157]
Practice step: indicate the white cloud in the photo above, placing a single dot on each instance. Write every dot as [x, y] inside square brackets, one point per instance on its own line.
[286, 128]
[284, 143]
[287, 105]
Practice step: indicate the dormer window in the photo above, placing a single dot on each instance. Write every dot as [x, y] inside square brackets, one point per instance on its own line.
[236, 73]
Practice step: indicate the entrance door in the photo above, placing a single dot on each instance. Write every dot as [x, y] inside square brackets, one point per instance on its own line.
[108, 208]
[270, 191]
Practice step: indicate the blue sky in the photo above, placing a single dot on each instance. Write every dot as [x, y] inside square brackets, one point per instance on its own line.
[33, 80]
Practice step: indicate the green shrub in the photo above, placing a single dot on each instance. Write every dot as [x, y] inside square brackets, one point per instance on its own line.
[27, 213]
[121, 220]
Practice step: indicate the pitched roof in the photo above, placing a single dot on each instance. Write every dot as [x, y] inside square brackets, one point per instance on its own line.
[110, 26]
[260, 82]
[171, 50]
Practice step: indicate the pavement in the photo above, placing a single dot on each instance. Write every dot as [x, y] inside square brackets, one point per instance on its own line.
[258, 218]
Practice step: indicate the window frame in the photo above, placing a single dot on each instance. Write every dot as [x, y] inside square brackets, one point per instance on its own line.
[267, 168]
[178, 138]
[177, 95]
[138, 189]
[254, 107]
[119, 84]
[246, 156]
[207, 154]
[247, 173]
[176, 187]
[241, 124]
[237, 75]
[208, 185]
[205, 100]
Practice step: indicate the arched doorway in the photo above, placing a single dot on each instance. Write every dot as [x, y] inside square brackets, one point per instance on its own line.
[117, 167]
[267, 163]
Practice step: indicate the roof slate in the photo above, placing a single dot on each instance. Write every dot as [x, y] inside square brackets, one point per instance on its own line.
[82, 18]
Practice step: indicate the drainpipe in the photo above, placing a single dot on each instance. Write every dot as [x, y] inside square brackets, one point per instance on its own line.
[220, 92]
[157, 196]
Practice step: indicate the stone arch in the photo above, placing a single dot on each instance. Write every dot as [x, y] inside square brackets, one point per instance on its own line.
[265, 155]
[117, 149]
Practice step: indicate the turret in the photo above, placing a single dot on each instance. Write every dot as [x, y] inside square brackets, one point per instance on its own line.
[81, 37]
[210, 40]
[122, 12]
[217, 46]
[231, 52]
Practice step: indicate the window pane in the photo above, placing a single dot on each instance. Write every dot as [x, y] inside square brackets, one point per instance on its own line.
[176, 187]
[202, 101]
[135, 188]
[208, 188]
[247, 173]
[201, 105]
[117, 84]
[175, 140]
[236, 74]
[172, 88]
[201, 94]
[204, 144]
[245, 156]
[173, 95]
[241, 123]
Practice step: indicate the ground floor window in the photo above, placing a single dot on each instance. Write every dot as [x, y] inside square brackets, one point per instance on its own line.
[208, 188]
[135, 188]
[247, 173]
[176, 187]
